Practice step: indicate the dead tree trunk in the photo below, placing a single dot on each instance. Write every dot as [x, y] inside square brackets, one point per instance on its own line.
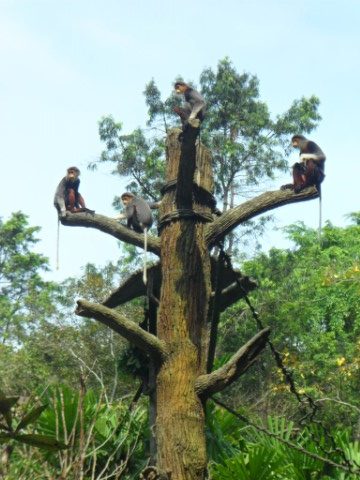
[184, 300]
[179, 348]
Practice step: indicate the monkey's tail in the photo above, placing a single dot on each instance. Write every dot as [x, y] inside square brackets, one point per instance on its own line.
[58, 245]
[320, 216]
[144, 258]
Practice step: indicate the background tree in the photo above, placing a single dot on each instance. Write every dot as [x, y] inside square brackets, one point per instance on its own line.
[26, 300]
[308, 297]
[248, 146]
[41, 339]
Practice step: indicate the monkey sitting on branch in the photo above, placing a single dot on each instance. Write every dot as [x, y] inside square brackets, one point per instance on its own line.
[67, 196]
[310, 170]
[139, 218]
[193, 112]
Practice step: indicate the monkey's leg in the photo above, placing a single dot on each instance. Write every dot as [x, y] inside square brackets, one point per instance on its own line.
[81, 201]
[80, 205]
[299, 177]
[71, 200]
[182, 114]
[185, 114]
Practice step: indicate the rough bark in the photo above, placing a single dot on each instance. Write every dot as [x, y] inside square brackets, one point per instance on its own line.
[134, 287]
[182, 326]
[147, 342]
[112, 227]
[216, 381]
[235, 292]
[263, 203]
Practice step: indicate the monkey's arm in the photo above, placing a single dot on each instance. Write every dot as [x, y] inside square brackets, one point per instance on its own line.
[197, 102]
[120, 216]
[59, 198]
[154, 205]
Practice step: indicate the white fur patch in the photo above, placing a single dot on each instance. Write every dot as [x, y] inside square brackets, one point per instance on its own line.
[308, 156]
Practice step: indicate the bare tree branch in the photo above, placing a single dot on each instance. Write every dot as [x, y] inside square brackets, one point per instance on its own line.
[133, 287]
[112, 227]
[216, 381]
[147, 342]
[252, 208]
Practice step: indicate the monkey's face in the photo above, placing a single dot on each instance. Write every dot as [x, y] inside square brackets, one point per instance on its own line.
[72, 175]
[180, 88]
[295, 143]
[125, 200]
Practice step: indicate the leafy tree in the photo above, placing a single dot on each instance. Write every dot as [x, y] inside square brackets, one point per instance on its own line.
[280, 451]
[309, 297]
[246, 143]
[63, 349]
[26, 300]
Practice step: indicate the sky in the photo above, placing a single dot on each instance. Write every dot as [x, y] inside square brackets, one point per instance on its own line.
[64, 65]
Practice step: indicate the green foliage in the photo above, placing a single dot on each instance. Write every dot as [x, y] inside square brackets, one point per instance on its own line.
[247, 145]
[59, 347]
[256, 454]
[26, 301]
[134, 156]
[309, 298]
[105, 440]
[10, 432]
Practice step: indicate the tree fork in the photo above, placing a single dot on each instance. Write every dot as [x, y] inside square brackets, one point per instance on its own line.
[180, 348]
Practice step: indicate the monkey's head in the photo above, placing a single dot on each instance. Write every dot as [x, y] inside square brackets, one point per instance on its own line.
[73, 173]
[181, 87]
[298, 140]
[126, 197]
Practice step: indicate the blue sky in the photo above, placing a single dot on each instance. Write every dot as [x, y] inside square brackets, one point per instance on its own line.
[65, 64]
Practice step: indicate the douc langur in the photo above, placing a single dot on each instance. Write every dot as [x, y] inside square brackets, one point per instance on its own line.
[193, 112]
[310, 170]
[67, 195]
[68, 199]
[139, 218]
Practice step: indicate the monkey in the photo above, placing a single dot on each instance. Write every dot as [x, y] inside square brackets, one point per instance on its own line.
[67, 195]
[68, 199]
[193, 112]
[139, 218]
[310, 170]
